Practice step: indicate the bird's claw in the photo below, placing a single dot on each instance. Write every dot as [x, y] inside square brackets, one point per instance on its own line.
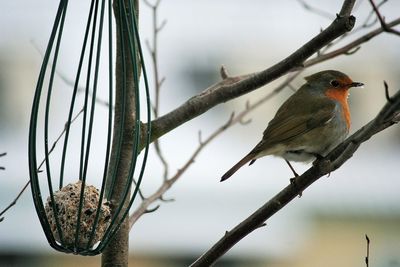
[293, 182]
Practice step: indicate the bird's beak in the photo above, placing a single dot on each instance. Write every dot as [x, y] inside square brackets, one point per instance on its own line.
[356, 84]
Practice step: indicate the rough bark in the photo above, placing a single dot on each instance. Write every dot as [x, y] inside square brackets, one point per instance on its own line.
[117, 252]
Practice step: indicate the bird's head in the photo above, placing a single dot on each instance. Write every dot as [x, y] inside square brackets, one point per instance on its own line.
[331, 80]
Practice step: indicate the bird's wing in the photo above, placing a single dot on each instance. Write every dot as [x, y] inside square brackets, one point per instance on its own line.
[293, 120]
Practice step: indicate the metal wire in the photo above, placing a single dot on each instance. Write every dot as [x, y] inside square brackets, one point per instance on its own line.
[90, 59]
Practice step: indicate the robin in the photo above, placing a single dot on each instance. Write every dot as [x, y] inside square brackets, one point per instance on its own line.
[312, 122]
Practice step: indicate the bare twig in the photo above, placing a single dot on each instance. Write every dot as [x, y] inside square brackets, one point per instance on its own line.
[349, 47]
[223, 72]
[367, 257]
[153, 50]
[388, 116]
[59, 137]
[381, 19]
[387, 95]
[367, 22]
[14, 201]
[366, 25]
[316, 10]
[2, 155]
[67, 80]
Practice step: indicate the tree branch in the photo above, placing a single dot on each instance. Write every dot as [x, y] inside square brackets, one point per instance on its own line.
[158, 82]
[233, 87]
[349, 47]
[367, 21]
[116, 252]
[389, 115]
[367, 257]
[2, 155]
[381, 19]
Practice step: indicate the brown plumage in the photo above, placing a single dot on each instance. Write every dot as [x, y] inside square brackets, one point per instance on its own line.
[309, 124]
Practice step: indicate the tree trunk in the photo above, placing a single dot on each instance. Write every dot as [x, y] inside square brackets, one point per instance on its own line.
[116, 253]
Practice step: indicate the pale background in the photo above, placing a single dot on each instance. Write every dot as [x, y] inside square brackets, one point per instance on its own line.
[326, 226]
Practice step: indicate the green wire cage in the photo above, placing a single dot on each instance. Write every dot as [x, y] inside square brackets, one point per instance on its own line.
[73, 186]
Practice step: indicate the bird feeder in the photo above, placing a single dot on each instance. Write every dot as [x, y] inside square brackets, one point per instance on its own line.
[73, 125]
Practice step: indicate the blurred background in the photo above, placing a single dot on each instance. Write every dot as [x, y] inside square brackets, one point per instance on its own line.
[325, 227]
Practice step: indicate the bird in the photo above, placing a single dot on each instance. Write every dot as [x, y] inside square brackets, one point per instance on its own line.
[309, 124]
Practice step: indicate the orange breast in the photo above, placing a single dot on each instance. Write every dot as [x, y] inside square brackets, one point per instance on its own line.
[341, 95]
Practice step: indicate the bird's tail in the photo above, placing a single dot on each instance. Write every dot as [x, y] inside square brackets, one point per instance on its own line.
[237, 166]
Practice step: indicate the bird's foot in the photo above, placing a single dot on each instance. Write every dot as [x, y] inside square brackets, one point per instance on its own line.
[293, 182]
[323, 164]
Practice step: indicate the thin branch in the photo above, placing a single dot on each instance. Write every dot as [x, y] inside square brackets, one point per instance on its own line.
[68, 81]
[153, 50]
[162, 25]
[315, 10]
[233, 87]
[53, 146]
[349, 47]
[367, 257]
[381, 19]
[367, 22]
[2, 155]
[365, 25]
[223, 72]
[387, 95]
[389, 115]
[162, 159]
[14, 201]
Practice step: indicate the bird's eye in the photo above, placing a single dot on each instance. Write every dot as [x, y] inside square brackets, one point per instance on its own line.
[334, 83]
